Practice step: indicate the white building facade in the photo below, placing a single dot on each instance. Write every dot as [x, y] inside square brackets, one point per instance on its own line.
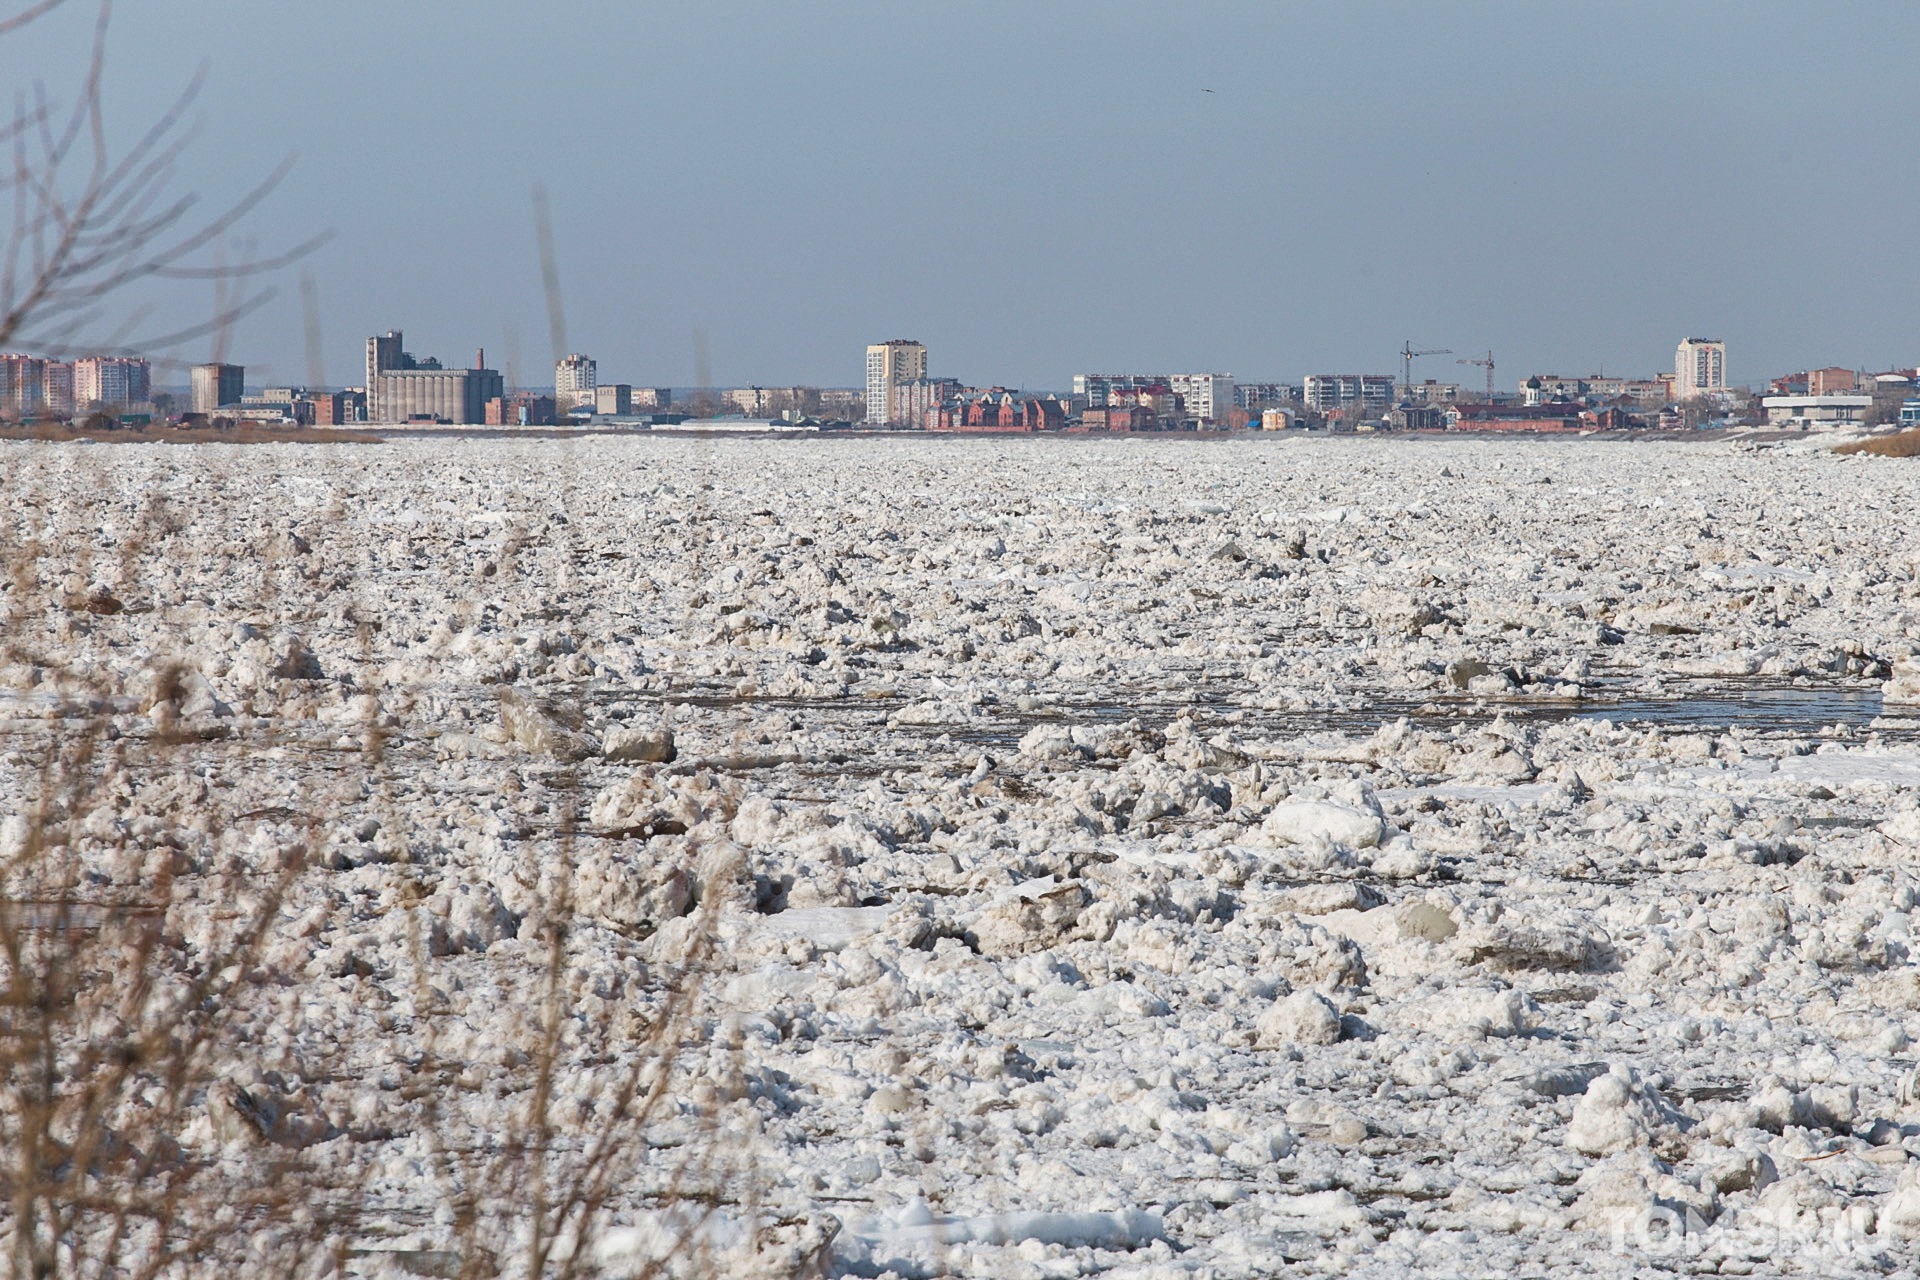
[1206, 396]
[1326, 392]
[575, 380]
[889, 364]
[1699, 368]
[1806, 412]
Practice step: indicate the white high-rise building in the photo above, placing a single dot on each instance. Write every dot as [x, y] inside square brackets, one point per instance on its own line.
[1699, 366]
[575, 380]
[1206, 396]
[888, 365]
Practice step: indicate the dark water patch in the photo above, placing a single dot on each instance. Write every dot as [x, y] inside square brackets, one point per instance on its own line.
[1787, 710]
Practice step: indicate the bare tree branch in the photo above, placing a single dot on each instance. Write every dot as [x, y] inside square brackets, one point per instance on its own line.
[28, 14]
[87, 224]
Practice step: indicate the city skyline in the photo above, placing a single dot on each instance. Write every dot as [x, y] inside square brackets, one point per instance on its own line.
[1563, 234]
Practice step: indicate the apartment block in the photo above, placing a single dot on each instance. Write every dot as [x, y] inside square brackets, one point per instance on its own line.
[111, 382]
[23, 386]
[1699, 367]
[1205, 397]
[918, 402]
[1202, 397]
[1327, 392]
[889, 364]
[575, 380]
[1257, 396]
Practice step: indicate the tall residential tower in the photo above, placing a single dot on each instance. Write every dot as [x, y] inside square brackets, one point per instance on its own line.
[1699, 366]
[575, 380]
[888, 365]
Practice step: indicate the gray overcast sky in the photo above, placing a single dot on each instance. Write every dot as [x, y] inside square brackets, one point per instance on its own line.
[1035, 188]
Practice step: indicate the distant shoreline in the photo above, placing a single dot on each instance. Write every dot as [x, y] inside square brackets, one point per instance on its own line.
[383, 434]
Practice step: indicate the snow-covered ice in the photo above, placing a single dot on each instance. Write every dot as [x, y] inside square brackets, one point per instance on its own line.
[1129, 857]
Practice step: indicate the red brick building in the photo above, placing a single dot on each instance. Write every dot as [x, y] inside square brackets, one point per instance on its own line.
[521, 410]
[1832, 382]
[998, 409]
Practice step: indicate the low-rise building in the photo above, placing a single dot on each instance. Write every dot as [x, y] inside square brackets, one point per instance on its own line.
[521, 410]
[277, 404]
[1278, 418]
[1805, 412]
[1120, 418]
[1834, 381]
[613, 398]
[1410, 416]
[798, 402]
[1513, 417]
[332, 408]
[1157, 398]
[998, 409]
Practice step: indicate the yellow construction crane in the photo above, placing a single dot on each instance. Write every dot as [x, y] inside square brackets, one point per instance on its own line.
[1486, 364]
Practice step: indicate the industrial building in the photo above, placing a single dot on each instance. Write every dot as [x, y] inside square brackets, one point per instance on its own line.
[401, 388]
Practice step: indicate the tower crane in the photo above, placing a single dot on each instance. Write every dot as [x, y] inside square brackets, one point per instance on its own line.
[1407, 357]
[1486, 364]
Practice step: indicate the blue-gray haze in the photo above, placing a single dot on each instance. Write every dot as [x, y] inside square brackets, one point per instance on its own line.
[1035, 188]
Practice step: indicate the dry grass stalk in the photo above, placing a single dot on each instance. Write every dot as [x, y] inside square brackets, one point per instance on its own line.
[130, 956]
[1905, 444]
[147, 967]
